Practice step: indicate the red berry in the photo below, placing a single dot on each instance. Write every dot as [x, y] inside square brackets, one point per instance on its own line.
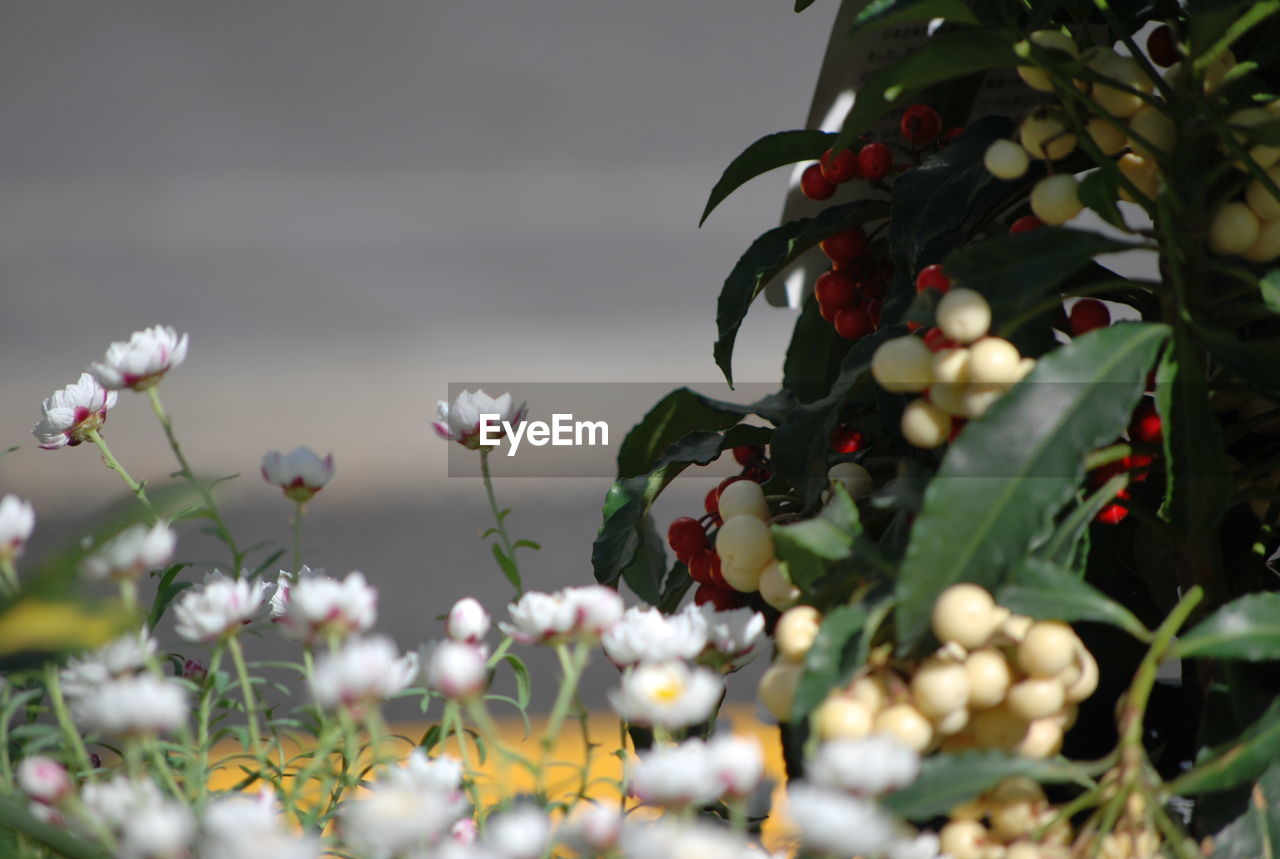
[920, 124]
[835, 289]
[757, 473]
[1025, 224]
[828, 312]
[853, 323]
[700, 566]
[870, 287]
[1139, 464]
[913, 327]
[931, 277]
[746, 454]
[723, 483]
[875, 160]
[1160, 47]
[722, 599]
[847, 440]
[814, 185]
[1103, 473]
[839, 167]
[873, 308]
[712, 502]
[1112, 514]
[846, 246]
[951, 134]
[686, 537]
[936, 341]
[1146, 427]
[1088, 314]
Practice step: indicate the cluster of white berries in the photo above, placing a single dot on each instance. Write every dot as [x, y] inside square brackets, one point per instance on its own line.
[1001, 822]
[1249, 227]
[960, 379]
[745, 543]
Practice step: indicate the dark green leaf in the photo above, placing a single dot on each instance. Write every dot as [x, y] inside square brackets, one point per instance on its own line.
[1005, 478]
[831, 660]
[1098, 191]
[814, 356]
[1216, 26]
[1045, 590]
[946, 56]
[801, 5]
[946, 780]
[646, 571]
[1245, 628]
[883, 13]
[770, 254]
[1255, 834]
[1235, 762]
[767, 153]
[1270, 287]
[521, 673]
[1070, 539]
[810, 547]
[676, 415]
[1255, 361]
[507, 566]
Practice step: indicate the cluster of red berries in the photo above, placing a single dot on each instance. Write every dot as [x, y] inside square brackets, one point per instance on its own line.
[1145, 429]
[851, 294]
[693, 539]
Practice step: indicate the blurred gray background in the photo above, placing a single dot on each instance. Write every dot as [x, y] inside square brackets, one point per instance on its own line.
[350, 205]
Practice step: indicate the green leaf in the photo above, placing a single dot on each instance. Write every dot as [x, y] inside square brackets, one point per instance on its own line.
[883, 13]
[1255, 834]
[1254, 361]
[1098, 191]
[946, 780]
[1235, 762]
[507, 566]
[831, 660]
[770, 254]
[814, 356]
[1045, 590]
[1198, 485]
[1246, 628]
[523, 685]
[646, 571]
[946, 56]
[767, 153]
[1071, 536]
[801, 5]
[810, 547]
[1216, 27]
[1270, 287]
[1005, 478]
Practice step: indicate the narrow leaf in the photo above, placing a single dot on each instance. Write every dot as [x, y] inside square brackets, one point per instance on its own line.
[1270, 287]
[946, 780]
[1235, 762]
[1246, 628]
[883, 13]
[767, 153]
[1045, 590]
[1255, 834]
[814, 355]
[831, 660]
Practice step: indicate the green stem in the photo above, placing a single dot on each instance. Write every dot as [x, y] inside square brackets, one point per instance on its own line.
[572, 663]
[53, 685]
[16, 818]
[451, 721]
[207, 695]
[10, 577]
[297, 541]
[498, 521]
[109, 460]
[250, 703]
[161, 761]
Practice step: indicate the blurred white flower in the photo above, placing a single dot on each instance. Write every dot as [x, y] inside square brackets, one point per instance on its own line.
[404, 808]
[145, 823]
[44, 779]
[142, 360]
[583, 613]
[737, 764]
[731, 636]
[869, 766]
[220, 607]
[248, 827]
[668, 694]
[128, 654]
[596, 609]
[593, 828]
[923, 845]
[129, 705]
[455, 669]
[675, 776]
[301, 473]
[668, 838]
[71, 414]
[460, 422]
[468, 621]
[463, 832]
[644, 634]
[362, 672]
[17, 521]
[131, 553]
[317, 608]
[518, 833]
[833, 822]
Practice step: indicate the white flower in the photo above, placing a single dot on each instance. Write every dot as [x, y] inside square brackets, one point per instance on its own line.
[140, 362]
[593, 828]
[463, 832]
[455, 669]
[17, 521]
[924, 845]
[584, 613]
[404, 808]
[247, 827]
[71, 414]
[834, 822]
[667, 838]
[460, 422]
[44, 779]
[870, 766]
[675, 776]
[520, 833]
[219, 608]
[731, 635]
[317, 607]
[123, 656]
[468, 621]
[301, 473]
[644, 634]
[597, 609]
[131, 553]
[668, 694]
[737, 764]
[363, 672]
[140, 704]
[146, 824]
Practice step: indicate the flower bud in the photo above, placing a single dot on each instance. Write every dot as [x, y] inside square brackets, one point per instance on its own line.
[468, 621]
[44, 779]
[456, 669]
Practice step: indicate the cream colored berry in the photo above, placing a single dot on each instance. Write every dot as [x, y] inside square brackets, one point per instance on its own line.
[1005, 159]
[963, 839]
[989, 677]
[964, 613]
[1053, 40]
[1260, 199]
[963, 315]
[1144, 174]
[1056, 199]
[977, 399]
[998, 728]
[1233, 229]
[855, 479]
[1015, 789]
[951, 366]
[1048, 647]
[1015, 626]
[903, 365]
[1217, 70]
[939, 686]
[949, 724]
[1043, 739]
[1087, 683]
[1035, 697]
[743, 498]
[1025, 366]
[1047, 135]
[1106, 135]
[778, 689]
[872, 691]
[948, 396]
[775, 588]
[745, 542]
[1262, 154]
[742, 578]
[905, 724]
[1122, 70]
[1267, 246]
[796, 631]
[843, 719]
[994, 360]
[973, 809]
[1151, 125]
[924, 424]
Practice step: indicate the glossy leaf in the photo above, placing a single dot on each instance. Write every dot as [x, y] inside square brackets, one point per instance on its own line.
[811, 546]
[1255, 834]
[814, 355]
[1027, 266]
[1235, 762]
[1245, 628]
[770, 254]
[831, 660]
[767, 153]
[1098, 191]
[1255, 361]
[1005, 478]
[885, 13]
[1270, 288]
[946, 780]
[1045, 590]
